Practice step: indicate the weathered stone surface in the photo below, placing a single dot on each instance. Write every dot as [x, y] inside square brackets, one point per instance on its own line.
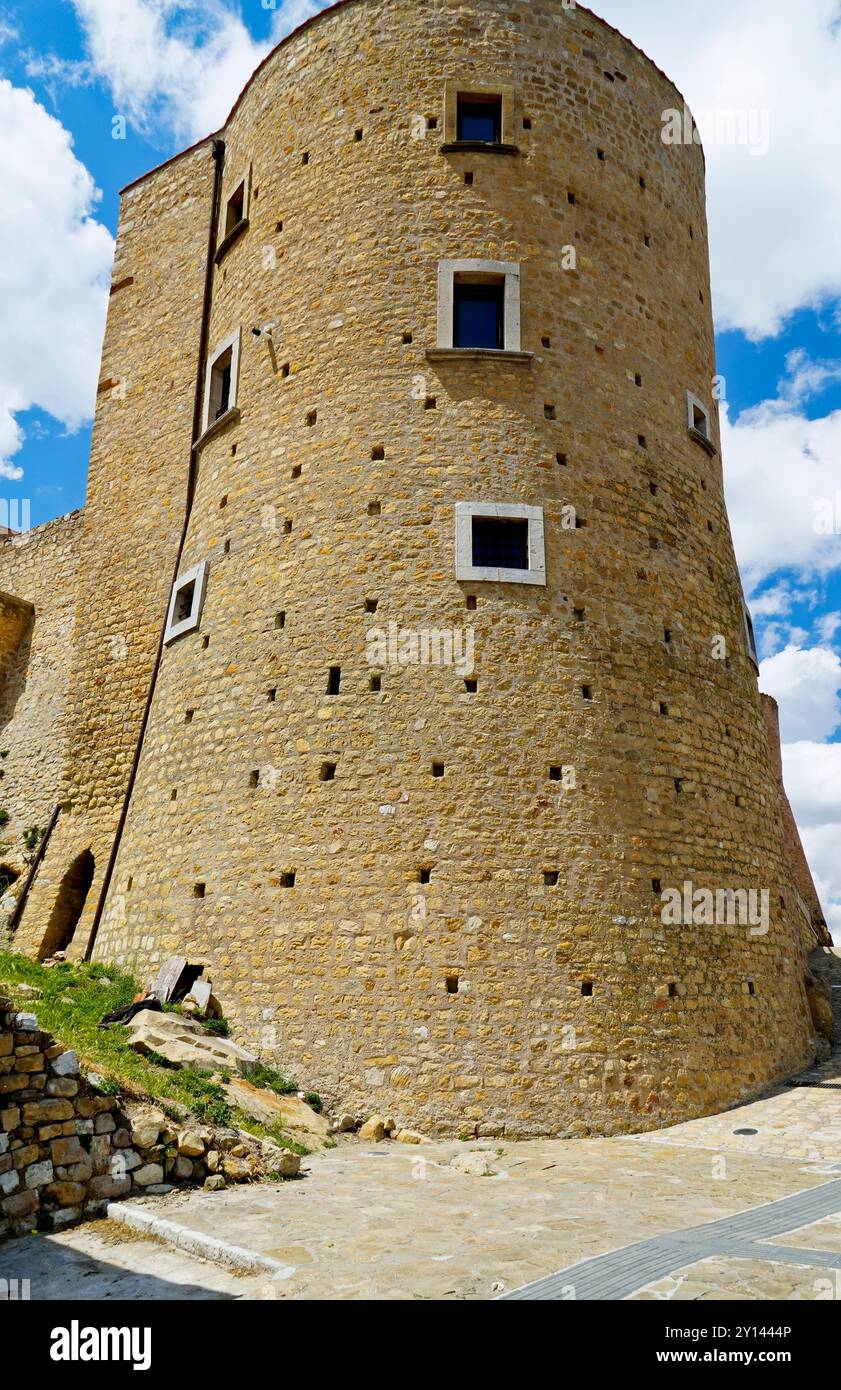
[269, 1108]
[373, 1128]
[185, 1043]
[474, 1163]
[37, 1174]
[65, 1064]
[658, 757]
[215, 1182]
[410, 1136]
[289, 1164]
[67, 1194]
[192, 1143]
[67, 1151]
[146, 1125]
[149, 1173]
[47, 1111]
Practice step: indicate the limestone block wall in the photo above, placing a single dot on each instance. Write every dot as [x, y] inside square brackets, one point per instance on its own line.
[801, 874]
[41, 569]
[66, 1151]
[482, 948]
[133, 515]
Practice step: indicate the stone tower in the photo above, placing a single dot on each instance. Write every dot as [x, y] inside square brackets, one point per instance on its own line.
[409, 382]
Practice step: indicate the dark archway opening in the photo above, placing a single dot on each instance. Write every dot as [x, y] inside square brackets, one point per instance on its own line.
[7, 878]
[65, 915]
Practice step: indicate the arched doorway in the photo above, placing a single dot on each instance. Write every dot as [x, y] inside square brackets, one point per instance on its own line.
[71, 897]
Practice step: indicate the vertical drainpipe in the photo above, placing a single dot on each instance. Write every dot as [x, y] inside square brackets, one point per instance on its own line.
[219, 164]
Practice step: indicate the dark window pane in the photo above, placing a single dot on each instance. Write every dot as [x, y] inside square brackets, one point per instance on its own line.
[480, 121]
[500, 544]
[225, 396]
[479, 316]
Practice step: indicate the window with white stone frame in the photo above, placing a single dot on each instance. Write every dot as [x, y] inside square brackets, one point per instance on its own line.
[750, 634]
[480, 116]
[478, 309]
[186, 601]
[234, 214]
[699, 422]
[221, 382]
[500, 542]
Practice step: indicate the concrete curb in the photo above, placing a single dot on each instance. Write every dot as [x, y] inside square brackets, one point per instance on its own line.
[192, 1242]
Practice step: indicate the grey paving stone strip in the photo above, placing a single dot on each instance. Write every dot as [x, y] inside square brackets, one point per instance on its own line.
[620, 1273]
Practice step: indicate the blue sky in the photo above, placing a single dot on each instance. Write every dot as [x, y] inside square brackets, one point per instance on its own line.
[172, 68]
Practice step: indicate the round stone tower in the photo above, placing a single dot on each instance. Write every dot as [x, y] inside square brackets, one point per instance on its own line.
[455, 775]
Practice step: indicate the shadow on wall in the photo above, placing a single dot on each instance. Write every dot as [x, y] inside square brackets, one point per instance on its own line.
[13, 677]
[69, 903]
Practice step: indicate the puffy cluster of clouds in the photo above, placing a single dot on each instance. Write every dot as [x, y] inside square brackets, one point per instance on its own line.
[55, 263]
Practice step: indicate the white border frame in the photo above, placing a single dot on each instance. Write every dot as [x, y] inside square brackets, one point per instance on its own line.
[234, 342]
[693, 403]
[505, 511]
[222, 235]
[750, 633]
[447, 272]
[197, 575]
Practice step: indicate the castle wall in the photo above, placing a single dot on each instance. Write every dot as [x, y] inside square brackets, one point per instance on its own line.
[491, 996]
[40, 571]
[133, 516]
[817, 931]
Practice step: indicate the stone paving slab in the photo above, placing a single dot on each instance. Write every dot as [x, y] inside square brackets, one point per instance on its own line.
[98, 1262]
[387, 1222]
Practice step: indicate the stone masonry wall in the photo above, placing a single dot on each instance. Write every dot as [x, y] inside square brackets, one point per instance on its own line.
[42, 569]
[481, 949]
[801, 874]
[133, 516]
[66, 1151]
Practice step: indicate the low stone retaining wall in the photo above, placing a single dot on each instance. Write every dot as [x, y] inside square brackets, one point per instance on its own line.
[67, 1151]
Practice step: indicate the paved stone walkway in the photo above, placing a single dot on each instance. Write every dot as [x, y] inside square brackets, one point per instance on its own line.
[679, 1214]
[623, 1272]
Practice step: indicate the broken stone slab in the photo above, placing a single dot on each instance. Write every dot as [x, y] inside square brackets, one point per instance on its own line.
[200, 993]
[289, 1112]
[474, 1163]
[374, 1129]
[410, 1136]
[184, 1043]
[169, 977]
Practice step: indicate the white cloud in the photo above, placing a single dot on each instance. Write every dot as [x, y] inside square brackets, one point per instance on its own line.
[813, 781]
[782, 484]
[55, 261]
[805, 683]
[773, 220]
[179, 65]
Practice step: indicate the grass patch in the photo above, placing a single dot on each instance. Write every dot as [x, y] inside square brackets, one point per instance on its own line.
[72, 1001]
